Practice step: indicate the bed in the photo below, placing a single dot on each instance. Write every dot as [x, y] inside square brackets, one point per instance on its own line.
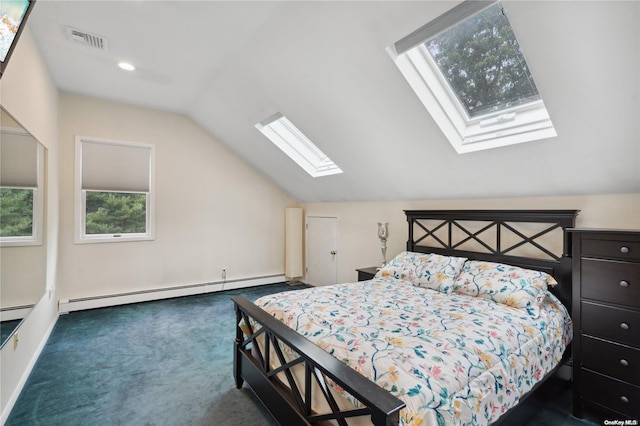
[437, 337]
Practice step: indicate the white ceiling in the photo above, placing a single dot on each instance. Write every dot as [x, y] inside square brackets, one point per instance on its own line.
[229, 65]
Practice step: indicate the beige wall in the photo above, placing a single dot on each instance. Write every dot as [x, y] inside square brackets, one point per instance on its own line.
[358, 243]
[213, 211]
[29, 95]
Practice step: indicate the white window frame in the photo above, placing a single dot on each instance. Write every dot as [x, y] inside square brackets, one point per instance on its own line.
[35, 239]
[521, 123]
[286, 136]
[81, 237]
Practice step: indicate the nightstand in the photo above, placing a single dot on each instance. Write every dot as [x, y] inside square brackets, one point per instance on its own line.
[606, 321]
[365, 274]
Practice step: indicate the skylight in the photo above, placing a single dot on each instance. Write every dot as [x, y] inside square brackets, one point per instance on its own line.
[297, 146]
[469, 71]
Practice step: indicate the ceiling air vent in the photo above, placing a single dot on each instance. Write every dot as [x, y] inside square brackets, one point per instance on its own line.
[87, 39]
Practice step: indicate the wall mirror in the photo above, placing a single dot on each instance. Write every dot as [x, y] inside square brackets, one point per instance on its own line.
[23, 252]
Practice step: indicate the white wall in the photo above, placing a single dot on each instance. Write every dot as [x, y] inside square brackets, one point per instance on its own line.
[29, 95]
[357, 222]
[213, 211]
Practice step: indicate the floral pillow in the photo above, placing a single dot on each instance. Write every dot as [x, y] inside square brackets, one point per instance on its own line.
[405, 266]
[424, 270]
[439, 272]
[506, 284]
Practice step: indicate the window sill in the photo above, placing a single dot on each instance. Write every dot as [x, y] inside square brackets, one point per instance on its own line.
[112, 238]
[20, 242]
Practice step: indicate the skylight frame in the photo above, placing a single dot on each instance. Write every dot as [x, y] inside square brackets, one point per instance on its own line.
[286, 136]
[519, 123]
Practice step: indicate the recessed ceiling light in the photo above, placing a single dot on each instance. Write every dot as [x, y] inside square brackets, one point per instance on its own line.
[126, 66]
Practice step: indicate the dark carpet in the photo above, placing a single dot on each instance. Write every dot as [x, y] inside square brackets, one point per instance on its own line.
[170, 362]
[6, 328]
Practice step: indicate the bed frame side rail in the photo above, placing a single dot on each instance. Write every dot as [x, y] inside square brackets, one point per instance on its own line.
[287, 402]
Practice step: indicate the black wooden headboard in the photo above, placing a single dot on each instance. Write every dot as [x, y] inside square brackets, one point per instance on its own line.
[532, 239]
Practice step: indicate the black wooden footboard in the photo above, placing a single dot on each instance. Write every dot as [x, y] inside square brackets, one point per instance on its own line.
[288, 400]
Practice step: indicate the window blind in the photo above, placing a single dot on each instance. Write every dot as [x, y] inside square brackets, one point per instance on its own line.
[18, 161]
[110, 166]
[441, 24]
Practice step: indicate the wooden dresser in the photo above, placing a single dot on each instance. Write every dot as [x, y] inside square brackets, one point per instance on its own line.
[606, 316]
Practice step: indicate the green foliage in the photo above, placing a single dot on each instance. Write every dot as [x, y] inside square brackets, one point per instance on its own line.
[483, 63]
[16, 212]
[115, 213]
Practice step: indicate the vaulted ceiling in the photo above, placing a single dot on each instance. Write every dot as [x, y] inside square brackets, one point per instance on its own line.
[231, 64]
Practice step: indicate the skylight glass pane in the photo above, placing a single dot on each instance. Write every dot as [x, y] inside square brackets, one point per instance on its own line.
[286, 136]
[483, 64]
[298, 141]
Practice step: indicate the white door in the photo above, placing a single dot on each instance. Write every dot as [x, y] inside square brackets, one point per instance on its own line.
[322, 251]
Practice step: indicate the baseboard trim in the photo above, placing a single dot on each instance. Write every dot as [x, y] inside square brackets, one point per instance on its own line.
[69, 305]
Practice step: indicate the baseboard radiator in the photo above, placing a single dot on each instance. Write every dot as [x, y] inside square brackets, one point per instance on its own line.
[69, 305]
[14, 312]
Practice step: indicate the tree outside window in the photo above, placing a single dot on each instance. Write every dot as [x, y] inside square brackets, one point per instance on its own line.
[16, 212]
[483, 62]
[116, 213]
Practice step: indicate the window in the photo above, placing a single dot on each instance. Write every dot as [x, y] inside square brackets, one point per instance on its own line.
[286, 136]
[468, 70]
[114, 191]
[21, 188]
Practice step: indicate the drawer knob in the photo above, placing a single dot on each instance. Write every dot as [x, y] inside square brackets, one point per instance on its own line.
[624, 399]
[624, 283]
[624, 326]
[624, 249]
[624, 362]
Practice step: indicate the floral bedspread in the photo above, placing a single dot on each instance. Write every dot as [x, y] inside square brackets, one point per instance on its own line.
[453, 359]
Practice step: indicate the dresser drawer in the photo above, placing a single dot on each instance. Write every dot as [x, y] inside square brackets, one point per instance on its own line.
[611, 393]
[619, 325]
[621, 362]
[615, 282]
[621, 250]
